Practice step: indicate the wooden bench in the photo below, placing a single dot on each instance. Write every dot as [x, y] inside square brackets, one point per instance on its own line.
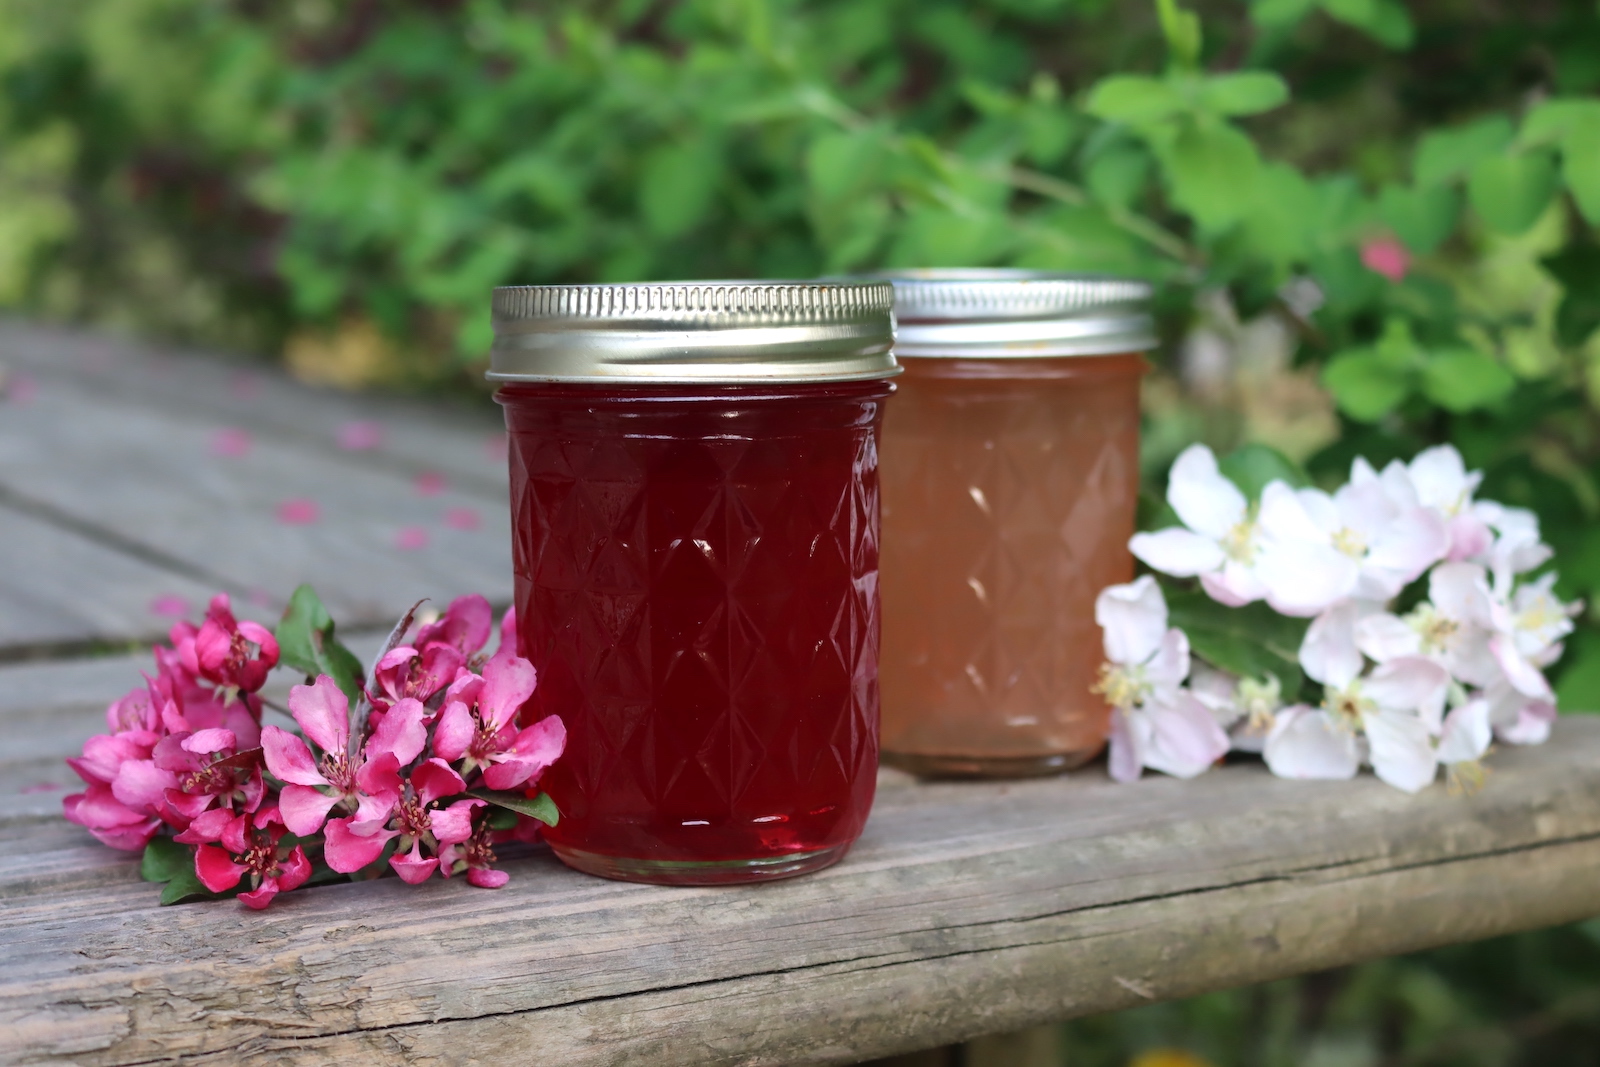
[966, 909]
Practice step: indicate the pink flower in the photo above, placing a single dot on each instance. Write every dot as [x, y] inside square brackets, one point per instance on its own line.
[251, 846]
[465, 626]
[127, 821]
[367, 788]
[233, 654]
[422, 822]
[203, 769]
[404, 673]
[486, 735]
[474, 855]
[1386, 256]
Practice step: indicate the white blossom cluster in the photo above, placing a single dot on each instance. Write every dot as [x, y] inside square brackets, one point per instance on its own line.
[1402, 693]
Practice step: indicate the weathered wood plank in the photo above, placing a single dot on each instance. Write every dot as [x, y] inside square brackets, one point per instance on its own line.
[966, 909]
[455, 438]
[149, 484]
[58, 587]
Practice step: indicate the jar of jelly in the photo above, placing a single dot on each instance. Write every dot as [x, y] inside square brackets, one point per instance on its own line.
[1010, 478]
[694, 497]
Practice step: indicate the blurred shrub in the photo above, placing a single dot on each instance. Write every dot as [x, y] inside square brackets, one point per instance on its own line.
[1373, 223]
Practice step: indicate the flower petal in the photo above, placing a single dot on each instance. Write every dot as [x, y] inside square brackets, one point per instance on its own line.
[259, 897]
[288, 758]
[1185, 739]
[1306, 743]
[205, 742]
[1126, 757]
[453, 731]
[1412, 685]
[411, 867]
[216, 869]
[1134, 619]
[295, 869]
[1532, 724]
[1328, 654]
[402, 733]
[304, 809]
[1207, 502]
[140, 784]
[1466, 733]
[1382, 637]
[323, 713]
[1523, 676]
[1401, 749]
[434, 779]
[485, 878]
[453, 825]
[348, 852]
[507, 685]
[1178, 552]
[1235, 585]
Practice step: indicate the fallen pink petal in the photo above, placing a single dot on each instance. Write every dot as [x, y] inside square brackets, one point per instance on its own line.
[230, 441]
[411, 538]
[299, 512]
[359, 436]
[169, 606]
[430, 483]
[463, 519]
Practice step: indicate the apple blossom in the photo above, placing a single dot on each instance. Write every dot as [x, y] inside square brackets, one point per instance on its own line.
[1155, 722]
[1217, 542]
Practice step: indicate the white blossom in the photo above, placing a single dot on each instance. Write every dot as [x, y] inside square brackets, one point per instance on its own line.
[1217, 542]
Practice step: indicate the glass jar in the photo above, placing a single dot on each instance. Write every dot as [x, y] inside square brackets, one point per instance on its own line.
[1011, 475]
[694, 488]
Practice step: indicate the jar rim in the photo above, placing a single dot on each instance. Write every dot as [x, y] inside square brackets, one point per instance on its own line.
[1011, 313]
[694, 331]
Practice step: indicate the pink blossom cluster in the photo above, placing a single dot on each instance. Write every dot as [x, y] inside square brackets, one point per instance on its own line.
[387, 776]
[1427, 639]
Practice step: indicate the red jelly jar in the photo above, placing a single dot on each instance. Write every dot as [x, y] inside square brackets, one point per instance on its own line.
[694, 493]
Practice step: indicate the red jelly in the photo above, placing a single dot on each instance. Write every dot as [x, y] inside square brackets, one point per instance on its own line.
[696, 580]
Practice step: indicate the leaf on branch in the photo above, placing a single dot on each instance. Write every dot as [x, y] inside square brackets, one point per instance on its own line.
[1245, 93]
[540, 807]
[1252, 641]
[164, 859]
[1511, 192]
[1448, 154]
[1134, 99]
[1423, 217]
[1251, 467]
[307, 643]
[1211, 168]
[1366, 384]
[1463, 379]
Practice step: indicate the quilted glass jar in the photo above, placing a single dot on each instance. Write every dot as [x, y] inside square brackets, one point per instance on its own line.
[1010, 478]
[694, 487]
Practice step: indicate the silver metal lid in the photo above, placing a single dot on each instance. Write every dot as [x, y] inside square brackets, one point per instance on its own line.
[988, 314]
[687, 332]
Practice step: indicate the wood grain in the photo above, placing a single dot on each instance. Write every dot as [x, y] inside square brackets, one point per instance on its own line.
[966, 909]
[147, 484]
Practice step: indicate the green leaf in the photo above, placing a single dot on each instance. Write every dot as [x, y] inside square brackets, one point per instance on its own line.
[304, 615]
[1549, 122]
[1211, 169]
[540, 807]
[164, 859]
[1448, 154]
[186, 885]
[1253, 641]
[307, 643]
[1462, 379]
[1245, 93]
[1577, 268]
[1134, 99]
[1280, 14]
[1386, 21]
[1182, 31]
[1580, 168]
[1421, 218]
[1511, 192]
[1251, 467]
[338, 663]
[677, 187]
[1117, 173]
[1284, 220]
[841, 165]
[1366, 383]
[1578, 687]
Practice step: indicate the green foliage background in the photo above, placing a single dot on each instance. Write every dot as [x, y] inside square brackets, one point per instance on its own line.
[263, 175]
